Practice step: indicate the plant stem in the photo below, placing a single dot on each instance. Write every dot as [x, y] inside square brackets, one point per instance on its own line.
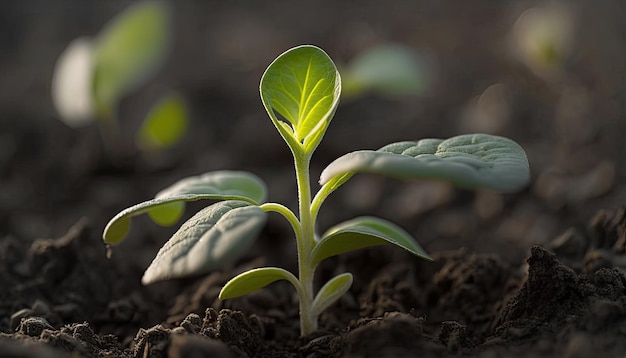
[305, 243]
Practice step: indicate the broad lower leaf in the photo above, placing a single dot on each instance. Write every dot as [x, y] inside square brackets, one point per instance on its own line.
[214, 236]
[331, 292]
[129, 49]
[253, 280]
[469, 161]
[364, 232]
[303, 87]
[169, 204]
[165, 125]
[71, 83]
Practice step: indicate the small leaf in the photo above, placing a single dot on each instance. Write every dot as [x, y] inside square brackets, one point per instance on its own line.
[302, 86]
[214, 236]
[331, 292]
[165, 124]
[168, 206]
[253, 280]
[363, 232]
[388, 69]
[71, 83]
[469, 161]
[128, 50]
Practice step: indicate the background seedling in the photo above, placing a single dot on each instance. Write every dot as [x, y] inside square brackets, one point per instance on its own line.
[92, 76]
[300, 91]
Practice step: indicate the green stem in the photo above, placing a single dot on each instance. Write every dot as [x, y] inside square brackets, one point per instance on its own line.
[288, 214]
[306, 242]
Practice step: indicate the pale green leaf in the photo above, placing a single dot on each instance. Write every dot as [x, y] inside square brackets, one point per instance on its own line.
[303, 87]
[253, 280]
[216, 235]
[331, 292]
[71, 83]
[388, 69]
[363, 232]
[168, 205]
[165, 124]
[469, 161]
[129, 49]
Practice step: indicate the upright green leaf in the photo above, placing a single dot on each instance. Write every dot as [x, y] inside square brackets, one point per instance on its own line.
[255, 279]
[217, 234]
[303, 87]
[363, 232]
[165, 125]
[331, 292]
[469, 161]
[169, 204]
[128, 50]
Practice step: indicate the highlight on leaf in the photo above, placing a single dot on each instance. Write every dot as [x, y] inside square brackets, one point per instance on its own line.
[469, 161]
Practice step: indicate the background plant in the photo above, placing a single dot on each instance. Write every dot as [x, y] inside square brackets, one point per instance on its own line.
[300, 91]
[93, 75]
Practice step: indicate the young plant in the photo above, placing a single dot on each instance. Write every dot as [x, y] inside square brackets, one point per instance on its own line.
[93, 75]
[300, 91]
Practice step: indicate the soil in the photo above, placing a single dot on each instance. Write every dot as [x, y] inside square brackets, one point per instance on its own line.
[536, 273]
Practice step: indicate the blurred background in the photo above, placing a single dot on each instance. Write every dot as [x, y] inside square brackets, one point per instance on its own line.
[550, 75]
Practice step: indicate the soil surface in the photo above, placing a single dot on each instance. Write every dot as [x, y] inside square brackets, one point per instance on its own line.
[536, 273]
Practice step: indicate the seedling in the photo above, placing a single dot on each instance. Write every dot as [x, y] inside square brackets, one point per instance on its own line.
[92, 75]
[300, 91]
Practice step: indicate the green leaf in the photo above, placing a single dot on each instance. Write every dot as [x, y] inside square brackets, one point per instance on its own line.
[255, 279]
[165, 125]
[363, 232]
[303, 87]
[129, 50]
[388, 69]
[216, 235]
[469, 161]
[169, 204]
[331, 292]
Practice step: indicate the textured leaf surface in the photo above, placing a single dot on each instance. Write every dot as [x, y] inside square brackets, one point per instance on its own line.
[165, 124]
[129, 49]
[469, 161]
[302, 86]
[253, 280]
[169, 204]
[331, 292]
[217, 234]
[363, 232]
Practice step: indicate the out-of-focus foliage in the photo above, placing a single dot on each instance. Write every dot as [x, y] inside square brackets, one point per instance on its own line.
[390, 70]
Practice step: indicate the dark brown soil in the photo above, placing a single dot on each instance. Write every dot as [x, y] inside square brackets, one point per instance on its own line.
[537, 273]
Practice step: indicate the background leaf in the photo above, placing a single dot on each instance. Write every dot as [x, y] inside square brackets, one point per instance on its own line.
[470, 161]
[303, 86]
[331, 292]
[165, 125]
[363, 232]
[253, 280]
[169, 204]
[128, 50]
[214, 236]
[71, 83]
[389, 69]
